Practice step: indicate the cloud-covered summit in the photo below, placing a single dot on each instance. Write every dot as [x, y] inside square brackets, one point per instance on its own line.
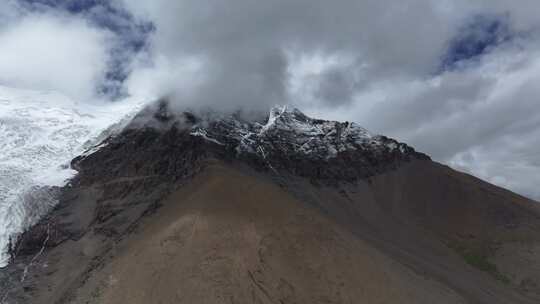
[456, 79]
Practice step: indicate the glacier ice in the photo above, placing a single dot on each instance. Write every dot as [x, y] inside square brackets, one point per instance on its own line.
[40, 132]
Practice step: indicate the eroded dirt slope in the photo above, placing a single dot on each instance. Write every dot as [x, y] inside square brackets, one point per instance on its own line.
[228, 237]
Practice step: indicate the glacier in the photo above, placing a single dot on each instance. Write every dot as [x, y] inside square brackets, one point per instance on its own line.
[40, 132]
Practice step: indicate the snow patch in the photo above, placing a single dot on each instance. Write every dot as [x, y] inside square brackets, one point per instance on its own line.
[202, 133]
[291, 132]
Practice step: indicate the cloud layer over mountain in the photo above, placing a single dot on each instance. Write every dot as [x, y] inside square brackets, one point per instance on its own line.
[453, 78]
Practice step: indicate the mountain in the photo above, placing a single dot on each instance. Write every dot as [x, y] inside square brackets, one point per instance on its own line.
[203, 207]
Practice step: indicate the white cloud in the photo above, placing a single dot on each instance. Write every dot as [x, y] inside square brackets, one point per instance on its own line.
[53, 52]
[151, 79]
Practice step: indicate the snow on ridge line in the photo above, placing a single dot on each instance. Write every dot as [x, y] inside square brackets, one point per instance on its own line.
[290, 129]
[202, 133]
[41, 132]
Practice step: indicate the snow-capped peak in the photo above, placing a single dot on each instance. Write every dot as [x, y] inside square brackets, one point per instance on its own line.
[275, 113]
[284, 141]
[291, 132]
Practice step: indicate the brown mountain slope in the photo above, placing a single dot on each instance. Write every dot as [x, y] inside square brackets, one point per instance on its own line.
[419, 234]
[448, 225]
[228, 237]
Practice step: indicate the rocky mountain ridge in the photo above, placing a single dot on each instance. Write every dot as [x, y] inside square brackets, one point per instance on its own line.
[285, 142]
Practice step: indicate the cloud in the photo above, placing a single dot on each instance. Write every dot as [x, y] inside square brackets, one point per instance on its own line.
[53, 53]
[377, 40]
[86, 46]
[247, 46]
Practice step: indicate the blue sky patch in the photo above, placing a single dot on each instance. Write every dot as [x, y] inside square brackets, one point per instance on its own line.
[478, 37]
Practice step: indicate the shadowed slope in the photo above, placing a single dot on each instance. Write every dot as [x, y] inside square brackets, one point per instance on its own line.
[446, 224]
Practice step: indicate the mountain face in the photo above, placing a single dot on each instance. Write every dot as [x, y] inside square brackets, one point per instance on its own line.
[286, 141]
[188, 207]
